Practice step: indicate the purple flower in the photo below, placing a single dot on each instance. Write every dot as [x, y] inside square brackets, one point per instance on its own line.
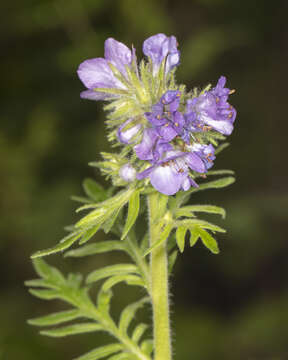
[127, 172]
[151, 146]
[211, 110]
[167, 121]
[205, 152]
[127, 132]
[96, 73]
[159, 47]
[171, 174]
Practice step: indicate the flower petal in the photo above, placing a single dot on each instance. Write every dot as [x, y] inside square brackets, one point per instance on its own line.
[195, 163]
[118, 54]
[144, 150]
[94, 95]
[96, 73]
[166, 180]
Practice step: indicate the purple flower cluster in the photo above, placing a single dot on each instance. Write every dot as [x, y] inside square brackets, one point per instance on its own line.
[165, 138]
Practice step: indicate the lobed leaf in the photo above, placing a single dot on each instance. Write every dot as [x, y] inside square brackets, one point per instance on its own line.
[180, 237]
[119, 269]
[133, 210]
[56, 318]
[101, 352]
[129, 279]
[73, 330]
[65, 243]
[128, 314]
[138, 332]
[97, 248]
[94, 190]
[208, 241]
[203, 208]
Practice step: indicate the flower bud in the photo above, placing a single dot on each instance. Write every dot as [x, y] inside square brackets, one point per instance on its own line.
[127, 173]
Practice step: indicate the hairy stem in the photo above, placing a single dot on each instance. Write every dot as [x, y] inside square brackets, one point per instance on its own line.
[159, 280]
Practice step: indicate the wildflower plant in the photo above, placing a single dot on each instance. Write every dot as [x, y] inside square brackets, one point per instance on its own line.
[166, 140]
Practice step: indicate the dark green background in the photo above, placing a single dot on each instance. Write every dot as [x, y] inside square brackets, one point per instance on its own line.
[230, 306]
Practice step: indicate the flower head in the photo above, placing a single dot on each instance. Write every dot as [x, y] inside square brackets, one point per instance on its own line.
[211, 110]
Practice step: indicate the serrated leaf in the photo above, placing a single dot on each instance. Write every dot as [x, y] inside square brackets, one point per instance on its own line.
[101, 352]
[204, 208]
[180, 237]
[97, 248]
[64, 244]
[56, 318]
[72, 330]
[133, 210]
[163, 236]
[119, 269]
[129, 279]
[128, 314]
[138, 332]
[209, 241]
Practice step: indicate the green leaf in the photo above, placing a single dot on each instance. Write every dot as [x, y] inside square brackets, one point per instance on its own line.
[56, 318]
[62, 245]
[209, 241]
[128, 314]
[201, 223]
[88, 234]
[123, 356]
[194, 235]
[133, 210]
[107, 226]
[147, 346]
[94, 190]
[101, 352]
[119, 269]
[221, 148]
[216, 184]
[220, 172]
[163, 236]
[205, 208]
[129, 279]
[45, 294]
[73, 330]
[97, 248]
[103, 300]
[180, 237]
[138, 332]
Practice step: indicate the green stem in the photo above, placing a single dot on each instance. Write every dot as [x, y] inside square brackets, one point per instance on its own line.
[159, 280]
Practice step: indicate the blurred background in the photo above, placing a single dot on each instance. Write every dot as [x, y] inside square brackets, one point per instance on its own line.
[230, 306]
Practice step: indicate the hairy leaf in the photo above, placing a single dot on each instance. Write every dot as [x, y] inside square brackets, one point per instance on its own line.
[180, 237]
[203, 208]
[73, 329]
[133, 210]
[129, 279]
[209, 241]
[62, 245]
[97, 248]
[128, 314]
[119, 269]
[138, 332]
[56, 318]
[101, 352]
[163, 236]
